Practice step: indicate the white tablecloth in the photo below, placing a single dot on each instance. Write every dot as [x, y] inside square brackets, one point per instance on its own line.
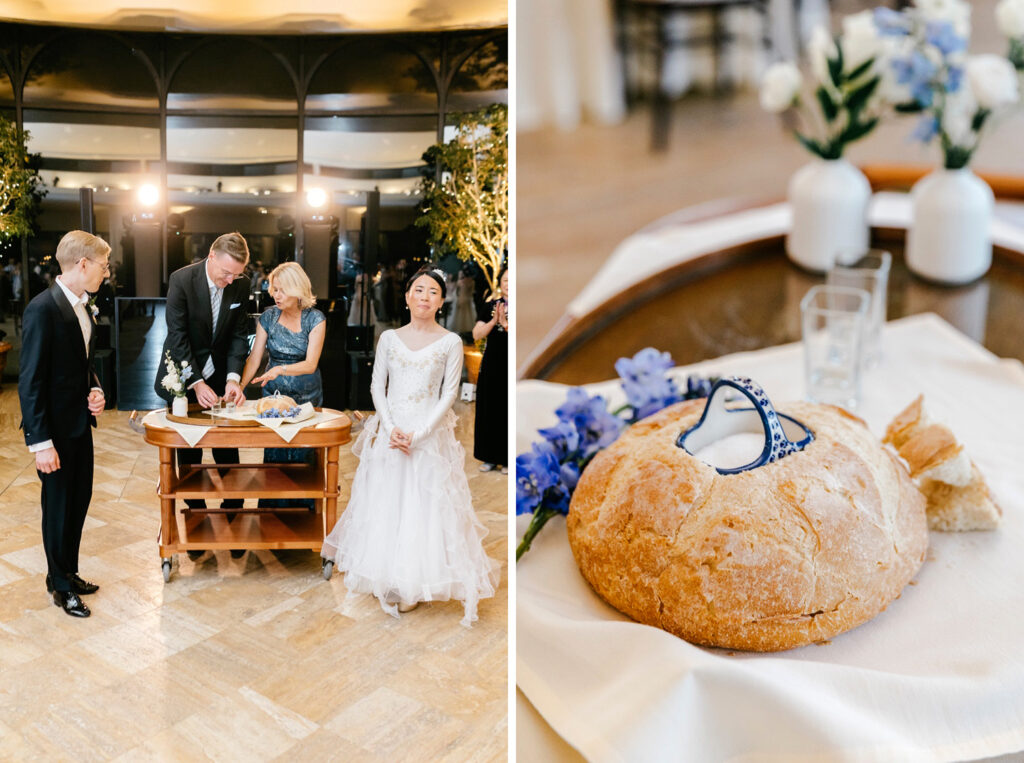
[938, 676]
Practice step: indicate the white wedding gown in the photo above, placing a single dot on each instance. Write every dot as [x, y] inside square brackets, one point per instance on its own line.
[409, 532]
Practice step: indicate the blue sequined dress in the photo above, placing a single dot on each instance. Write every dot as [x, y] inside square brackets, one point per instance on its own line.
[287, 347]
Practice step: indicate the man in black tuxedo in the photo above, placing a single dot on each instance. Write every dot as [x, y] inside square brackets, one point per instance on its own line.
[60, 398]
[207, 328]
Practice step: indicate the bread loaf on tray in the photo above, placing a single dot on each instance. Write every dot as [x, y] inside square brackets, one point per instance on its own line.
[274, 402]
[783, 555]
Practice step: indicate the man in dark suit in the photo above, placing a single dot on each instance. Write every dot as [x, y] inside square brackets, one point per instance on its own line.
[60, 398]
[207, 328]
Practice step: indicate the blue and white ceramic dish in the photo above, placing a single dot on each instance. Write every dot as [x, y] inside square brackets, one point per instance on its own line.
[783, 434]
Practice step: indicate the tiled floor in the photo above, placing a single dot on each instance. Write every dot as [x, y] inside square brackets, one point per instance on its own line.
[250, 659]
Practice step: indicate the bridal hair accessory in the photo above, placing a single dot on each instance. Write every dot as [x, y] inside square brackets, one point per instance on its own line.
[439, 272]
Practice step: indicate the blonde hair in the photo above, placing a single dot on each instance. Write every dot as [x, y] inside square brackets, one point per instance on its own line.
[78, 244]
[233, 245]
[293, 281]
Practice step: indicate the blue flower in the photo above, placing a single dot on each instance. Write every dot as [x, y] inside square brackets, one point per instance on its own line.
[536, 471]
[644, 380]
[954, 78]
[697, 386]
[564, 438]
[595, 426]
[917, 72]
[927, 128]
[941, 35]
[891, 23]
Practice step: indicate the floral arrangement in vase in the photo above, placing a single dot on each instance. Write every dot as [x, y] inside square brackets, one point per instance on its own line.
[955, 96]
[829, 197]
[174, 382]
[546, 476]
[954, 93]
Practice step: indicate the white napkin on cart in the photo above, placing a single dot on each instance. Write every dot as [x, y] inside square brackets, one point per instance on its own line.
[938, 676]
[190, 433]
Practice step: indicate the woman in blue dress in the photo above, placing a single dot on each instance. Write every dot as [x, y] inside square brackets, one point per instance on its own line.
[292, 331]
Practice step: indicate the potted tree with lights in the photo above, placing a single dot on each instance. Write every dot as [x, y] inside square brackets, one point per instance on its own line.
[465, 194]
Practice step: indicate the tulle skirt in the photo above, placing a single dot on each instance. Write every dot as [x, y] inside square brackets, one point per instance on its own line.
[409, 533]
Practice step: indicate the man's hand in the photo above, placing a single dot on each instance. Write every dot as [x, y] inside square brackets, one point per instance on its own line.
[97, 402]
[47, 461]
[233, 393]
[205, 395]
[400, 441]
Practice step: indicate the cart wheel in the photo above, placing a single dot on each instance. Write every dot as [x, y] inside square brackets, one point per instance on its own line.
[165, 565]
[328, 569]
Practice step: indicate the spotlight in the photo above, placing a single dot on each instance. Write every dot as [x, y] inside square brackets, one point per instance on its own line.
[316, 197]
[148, 195]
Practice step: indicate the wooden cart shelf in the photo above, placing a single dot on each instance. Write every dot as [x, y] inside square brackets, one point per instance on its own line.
[185, 529]
[246, 480]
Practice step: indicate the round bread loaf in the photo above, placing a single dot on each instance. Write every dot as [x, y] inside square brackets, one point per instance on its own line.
[274, 402]
[786, 554]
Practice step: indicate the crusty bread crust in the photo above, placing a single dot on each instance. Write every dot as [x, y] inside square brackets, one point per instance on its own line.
[787, 554]
[280, 402]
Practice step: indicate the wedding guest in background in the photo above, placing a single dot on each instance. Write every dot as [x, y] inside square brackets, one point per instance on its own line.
[207, 329]
[60, 399]
[292, 331]
[490, 428]
[409, 533]
[463, 321]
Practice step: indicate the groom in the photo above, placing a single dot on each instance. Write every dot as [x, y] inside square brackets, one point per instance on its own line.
[207, 329]
[60, 399]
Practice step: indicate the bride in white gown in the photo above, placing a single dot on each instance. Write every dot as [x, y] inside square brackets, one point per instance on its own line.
[409, 533]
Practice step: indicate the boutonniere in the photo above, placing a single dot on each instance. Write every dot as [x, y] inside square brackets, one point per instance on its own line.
[92, 307]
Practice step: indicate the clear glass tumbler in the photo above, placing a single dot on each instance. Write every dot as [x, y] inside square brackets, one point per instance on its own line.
[834, 320]
[869, 272]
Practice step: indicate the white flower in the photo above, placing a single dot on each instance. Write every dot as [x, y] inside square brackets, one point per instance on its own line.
[1010, 17]
[820, 48]
[993, 80]
[956, 12]
[170, 382]
[957, 116]
[780, 86]
[860, 40]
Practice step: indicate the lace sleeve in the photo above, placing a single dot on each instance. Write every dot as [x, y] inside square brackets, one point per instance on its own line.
[379, 385]
[449, 389]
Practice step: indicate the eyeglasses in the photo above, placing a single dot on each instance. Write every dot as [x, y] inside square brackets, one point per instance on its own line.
[104, 265]
[224, 272]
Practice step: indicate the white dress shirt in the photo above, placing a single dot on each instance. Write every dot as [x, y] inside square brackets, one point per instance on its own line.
[80, 305]
[208, 370]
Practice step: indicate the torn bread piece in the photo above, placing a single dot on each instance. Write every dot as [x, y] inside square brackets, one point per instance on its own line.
[953, 508]
[907, 423]
[933, 453]
[958, 497]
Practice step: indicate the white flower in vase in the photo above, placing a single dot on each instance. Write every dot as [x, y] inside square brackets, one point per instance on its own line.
[861, 41]
[820, 48]
[955, 12]
[1010, 18]
[992, 80]
[780, 87]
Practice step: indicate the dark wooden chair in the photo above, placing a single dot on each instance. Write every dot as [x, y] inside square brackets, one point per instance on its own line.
[634, 17]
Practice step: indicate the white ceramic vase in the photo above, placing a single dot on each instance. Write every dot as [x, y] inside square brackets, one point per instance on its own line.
[950, 236]
[179, 406]
[829, 199]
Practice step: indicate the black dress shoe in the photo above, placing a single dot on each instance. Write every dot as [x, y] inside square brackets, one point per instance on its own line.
[237, 553]
[71, 603]
[82, 587]
[195, 554]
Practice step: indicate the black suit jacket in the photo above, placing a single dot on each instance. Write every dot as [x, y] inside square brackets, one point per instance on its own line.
[190, 337]
[56, 371]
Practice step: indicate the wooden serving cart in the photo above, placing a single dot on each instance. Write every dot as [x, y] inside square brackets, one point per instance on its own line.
[188, 529]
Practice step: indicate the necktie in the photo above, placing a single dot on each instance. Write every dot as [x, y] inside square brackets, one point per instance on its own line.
[215, 297]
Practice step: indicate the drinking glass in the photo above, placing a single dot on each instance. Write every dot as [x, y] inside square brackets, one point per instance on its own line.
[834, 319]
[869, 272]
